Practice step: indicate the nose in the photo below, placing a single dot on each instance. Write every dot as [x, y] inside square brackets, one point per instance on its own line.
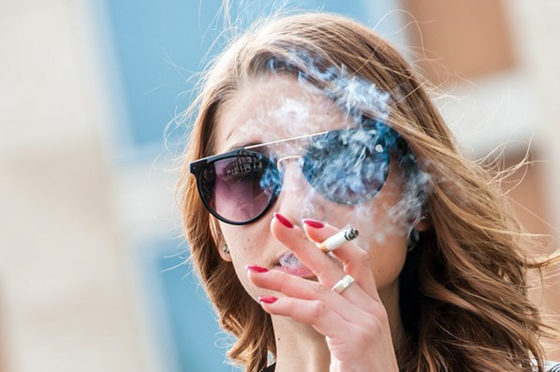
[297, 199]
[293, 178]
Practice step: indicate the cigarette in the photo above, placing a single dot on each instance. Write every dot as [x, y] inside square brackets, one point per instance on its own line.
[338, 239]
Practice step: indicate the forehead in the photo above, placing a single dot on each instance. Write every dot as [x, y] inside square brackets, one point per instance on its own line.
[275, 107]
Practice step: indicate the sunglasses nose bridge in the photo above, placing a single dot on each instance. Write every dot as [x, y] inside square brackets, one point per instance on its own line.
[294, 179]
[289, 157]
[296, 196]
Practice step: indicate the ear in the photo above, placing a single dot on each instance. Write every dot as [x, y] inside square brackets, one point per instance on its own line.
[424, 224]
[219, 240]
[224, 254]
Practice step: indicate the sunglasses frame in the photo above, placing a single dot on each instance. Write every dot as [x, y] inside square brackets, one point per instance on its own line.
[196, 167]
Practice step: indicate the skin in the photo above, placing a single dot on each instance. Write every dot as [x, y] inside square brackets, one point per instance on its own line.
[362, 325]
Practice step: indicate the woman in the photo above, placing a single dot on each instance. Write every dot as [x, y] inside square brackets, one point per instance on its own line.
[313, 123]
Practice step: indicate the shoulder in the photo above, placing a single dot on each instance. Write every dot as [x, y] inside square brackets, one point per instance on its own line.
[270, 368]
[551, 366]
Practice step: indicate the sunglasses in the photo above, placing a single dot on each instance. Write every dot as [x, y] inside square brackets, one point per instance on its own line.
[347, 166]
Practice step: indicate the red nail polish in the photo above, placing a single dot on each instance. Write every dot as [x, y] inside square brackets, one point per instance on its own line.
[256, 269]
[283, 220]
[268, 299]
[313, 223]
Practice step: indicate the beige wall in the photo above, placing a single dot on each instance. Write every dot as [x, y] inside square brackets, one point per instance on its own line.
[461, 39]
[539, 49]
[495, 63]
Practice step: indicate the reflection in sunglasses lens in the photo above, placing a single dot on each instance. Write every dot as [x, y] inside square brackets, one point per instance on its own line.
[244, 186]
[347, 167]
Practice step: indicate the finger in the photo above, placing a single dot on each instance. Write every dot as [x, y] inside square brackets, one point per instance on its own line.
[326, 269]
[312, 312]
[296, 287]
[356, 260]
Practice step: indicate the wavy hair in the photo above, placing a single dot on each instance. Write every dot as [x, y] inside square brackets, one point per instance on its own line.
[463, 290]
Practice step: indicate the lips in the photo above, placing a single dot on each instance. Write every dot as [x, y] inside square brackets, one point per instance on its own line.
[290, 264]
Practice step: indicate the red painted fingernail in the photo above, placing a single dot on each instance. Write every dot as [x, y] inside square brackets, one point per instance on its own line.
[313, 223]
[283, 220]
[268, 299]
[256, 269]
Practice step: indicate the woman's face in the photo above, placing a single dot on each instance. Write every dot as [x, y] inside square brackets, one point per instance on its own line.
[279, 107]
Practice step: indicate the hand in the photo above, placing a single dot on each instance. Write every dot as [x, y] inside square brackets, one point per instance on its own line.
[355, 322]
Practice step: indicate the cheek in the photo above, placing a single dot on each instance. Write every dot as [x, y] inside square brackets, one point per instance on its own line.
[245, 248]
[387, 260]
[386, 213]
[244, 279]
[243, 241]
[380, 222]
[387, 235]
[383, 230]
[241, 256]
[241, 247]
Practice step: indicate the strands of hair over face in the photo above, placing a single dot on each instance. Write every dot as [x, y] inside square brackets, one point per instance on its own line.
[463, 289]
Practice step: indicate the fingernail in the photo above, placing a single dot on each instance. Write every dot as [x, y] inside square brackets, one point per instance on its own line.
[283, 220]
[313, 223]
[256, 269]
[268, 299]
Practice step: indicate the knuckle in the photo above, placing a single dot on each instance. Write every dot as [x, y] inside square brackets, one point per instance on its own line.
[320, 289]
[360, 261]
[370, 308]
[380, 314]
[371, 329]
[317, 309]
[373, 326]
[322, 272]
[298, 243]
[363, 257]
[283, 287]
[284, 284]
[362, 338]
[290, 306]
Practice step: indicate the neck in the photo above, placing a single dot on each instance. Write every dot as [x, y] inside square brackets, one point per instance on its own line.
[390, 299]
[300, 348]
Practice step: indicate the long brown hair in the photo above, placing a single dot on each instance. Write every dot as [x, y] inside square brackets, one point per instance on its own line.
[463, 299]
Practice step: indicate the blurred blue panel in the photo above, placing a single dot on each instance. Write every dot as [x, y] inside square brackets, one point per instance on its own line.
[194, 331]
[184, 326]
[160, 45]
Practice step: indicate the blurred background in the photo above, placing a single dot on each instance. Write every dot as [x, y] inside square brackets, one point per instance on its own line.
[92, 272]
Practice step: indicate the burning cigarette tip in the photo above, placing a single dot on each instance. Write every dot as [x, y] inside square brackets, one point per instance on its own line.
[338, 239]
[351, 233]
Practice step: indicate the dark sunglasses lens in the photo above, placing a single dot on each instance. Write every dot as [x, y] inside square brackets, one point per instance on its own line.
[347, 166]
[240, 188]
